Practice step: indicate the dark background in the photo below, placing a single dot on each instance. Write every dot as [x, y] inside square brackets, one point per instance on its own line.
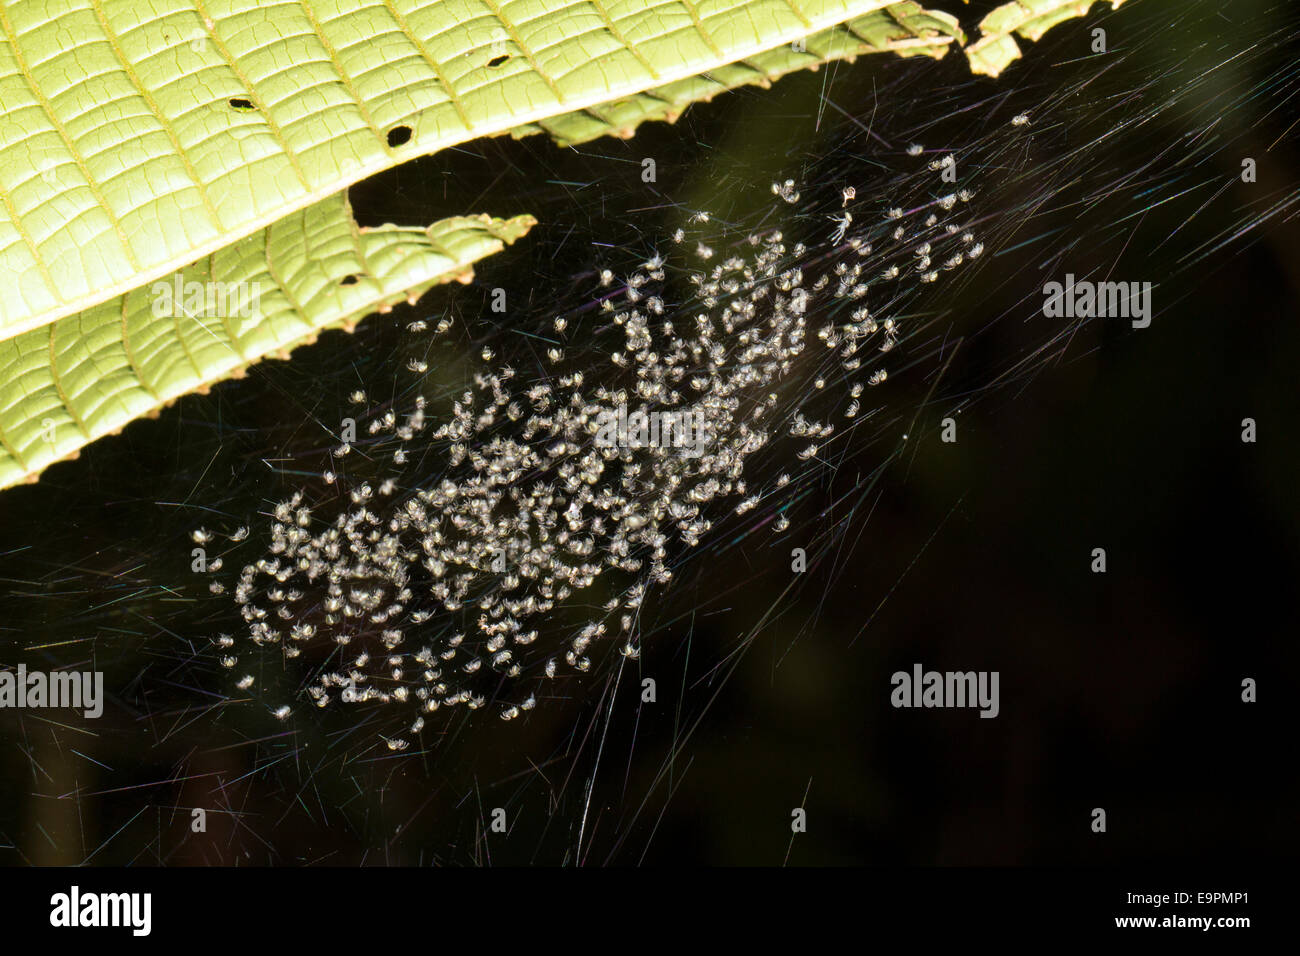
[1119, 691]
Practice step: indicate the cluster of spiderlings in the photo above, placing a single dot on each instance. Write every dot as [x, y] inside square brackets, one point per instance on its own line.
[439, 584]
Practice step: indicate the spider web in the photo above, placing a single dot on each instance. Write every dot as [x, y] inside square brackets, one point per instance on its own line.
[768, 683]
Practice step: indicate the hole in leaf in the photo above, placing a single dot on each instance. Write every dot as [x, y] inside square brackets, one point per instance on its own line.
[239, 103]
[399, 135]
[348, 280]
[498, 60]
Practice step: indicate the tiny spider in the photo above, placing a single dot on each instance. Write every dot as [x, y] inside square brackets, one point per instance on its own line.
[842, 223]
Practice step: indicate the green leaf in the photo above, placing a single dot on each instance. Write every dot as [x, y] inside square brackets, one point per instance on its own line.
[904, 28]
[162, 136]
[86, 375]
[997, 48]
[139, 137]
